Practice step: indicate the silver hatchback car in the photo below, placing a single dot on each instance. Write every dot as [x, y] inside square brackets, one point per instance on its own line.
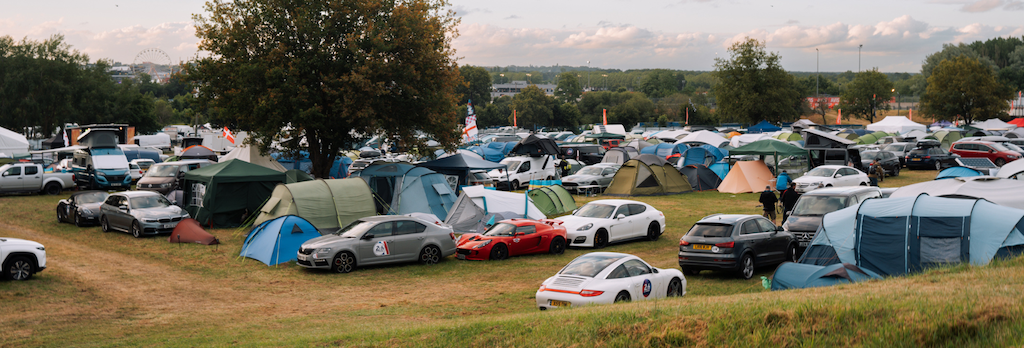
[379, 240]
[140, 213]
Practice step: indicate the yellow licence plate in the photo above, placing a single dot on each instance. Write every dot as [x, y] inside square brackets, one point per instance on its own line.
[915, 159]
[701, 247]
[557, 303]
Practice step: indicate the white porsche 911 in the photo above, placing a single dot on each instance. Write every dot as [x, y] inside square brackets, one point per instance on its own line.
[604, 277]
[610, 220]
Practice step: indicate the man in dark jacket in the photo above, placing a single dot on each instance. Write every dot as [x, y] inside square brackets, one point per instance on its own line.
[788, 198]
[768, 201]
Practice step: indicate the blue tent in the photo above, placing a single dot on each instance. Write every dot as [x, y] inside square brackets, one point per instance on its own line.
[339, 169]
[720, 168]
[401, 188]
[277, 241]
[956, 172]
[488, 153]
[719, 153]
[799, 276]
[504, 147]
[696, 155]
[763, 127]
[662, 150]
[898, 236]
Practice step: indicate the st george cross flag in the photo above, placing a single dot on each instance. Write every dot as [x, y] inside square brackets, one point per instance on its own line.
[469, 132]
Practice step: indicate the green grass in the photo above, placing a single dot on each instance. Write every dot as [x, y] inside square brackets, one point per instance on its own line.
[109, 289]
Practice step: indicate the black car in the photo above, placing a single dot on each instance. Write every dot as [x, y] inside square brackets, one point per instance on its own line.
[82, 208]
[586, 153]
[928, 155]
[736, 243]
[887, 159]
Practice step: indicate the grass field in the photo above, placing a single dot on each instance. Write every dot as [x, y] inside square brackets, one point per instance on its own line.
[109, 289]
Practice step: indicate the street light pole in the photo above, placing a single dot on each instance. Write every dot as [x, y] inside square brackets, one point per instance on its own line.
[605, 81]
[897, 101]
[858, 56]
[588, 75]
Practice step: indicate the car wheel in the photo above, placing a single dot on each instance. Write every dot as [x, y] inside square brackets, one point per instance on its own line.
[828, 185]
[653, 231]
[622, 296]
[136, 229]
[344, 262]
[938, 165]
[896, 171]
[60, 214]
[690, 271]
[514, 186]
[747, 266]
[791, 253]
[104, 224]
[499, 252]
[78, 219]
[18, 268]
[601, 239]
[52, 189]
[557, 246]
[1000, 162]
[675, 288]
[430, 255]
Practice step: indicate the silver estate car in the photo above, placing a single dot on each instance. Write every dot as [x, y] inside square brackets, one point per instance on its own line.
[140, 213]
[379, 240]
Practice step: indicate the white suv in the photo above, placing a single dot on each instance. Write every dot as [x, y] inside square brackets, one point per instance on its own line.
[21, 258]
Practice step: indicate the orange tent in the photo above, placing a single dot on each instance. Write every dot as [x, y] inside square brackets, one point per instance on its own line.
[189, 231]
[732, 134]
[1019, 122]
[746, 176]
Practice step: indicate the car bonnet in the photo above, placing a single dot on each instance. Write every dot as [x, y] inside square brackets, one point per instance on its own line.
[328, 241]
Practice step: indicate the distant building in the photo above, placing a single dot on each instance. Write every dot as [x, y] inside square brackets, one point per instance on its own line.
[512, 88]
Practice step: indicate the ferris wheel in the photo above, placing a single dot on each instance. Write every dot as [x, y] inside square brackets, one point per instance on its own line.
[154, 62]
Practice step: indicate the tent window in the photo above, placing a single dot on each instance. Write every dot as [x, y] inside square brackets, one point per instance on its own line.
[644, 177]
[198, 191]
[940, 250]
[442, 189]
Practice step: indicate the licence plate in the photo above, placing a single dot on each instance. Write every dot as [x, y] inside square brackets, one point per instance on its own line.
[915, 159]
[460, 256]
[557, 303]
[803, 244]
[701, 247]
[116, 184]
[167, 226]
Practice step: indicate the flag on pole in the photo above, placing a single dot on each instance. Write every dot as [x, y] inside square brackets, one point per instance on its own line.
[605, 116]
[687, 116]
[228, 136]
[66, 141]
[469, 132]
[515, 123]
[839, 118]
[911, 114]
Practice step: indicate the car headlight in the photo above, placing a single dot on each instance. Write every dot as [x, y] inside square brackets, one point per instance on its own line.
[483, 244]
[165, 185]
[86, 211]
[818, 184]
[320, 253]
[151, 220]
[41, 248]
[585, 227]
[101, 174]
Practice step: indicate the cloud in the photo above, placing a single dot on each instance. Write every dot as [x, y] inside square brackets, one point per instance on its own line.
[463, 11]
[981, 6]
[177, 39]
[513, 17]
[985, 5]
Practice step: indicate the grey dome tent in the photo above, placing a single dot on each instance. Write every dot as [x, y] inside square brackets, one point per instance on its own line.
[700, 177]
[898, 236]
[401, 188]
[477, 206]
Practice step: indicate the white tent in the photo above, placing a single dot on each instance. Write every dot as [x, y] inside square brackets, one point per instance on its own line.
[917, 134]
[12, 143]
[476, 205]
[673, 134]
[996, 190]
[993, 124]
[744, 139]
[704, 136]
[1010, 170]
[896, 124]
[252, 155]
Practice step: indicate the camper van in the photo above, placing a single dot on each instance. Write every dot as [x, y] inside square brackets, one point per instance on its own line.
[101, 169]
[520, 170]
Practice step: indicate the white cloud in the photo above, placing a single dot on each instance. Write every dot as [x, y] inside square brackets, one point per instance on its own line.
[982, 5]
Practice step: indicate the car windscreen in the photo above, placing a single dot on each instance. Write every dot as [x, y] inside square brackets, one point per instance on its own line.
[870, 155]
[589, 265]
[512, 166]
[821, 171]
[594, 210]
[810, 205]
[1013, 147]
[92, 197]
[501, 230]
[168, 171]
[355, 229]
[144, 164]
[590, 171]
[145, 202]
[894, 147]
[710, 230]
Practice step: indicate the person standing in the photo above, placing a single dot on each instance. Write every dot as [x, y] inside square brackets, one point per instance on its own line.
[768, 201]
[788, 198]
[564, 167]
[873, 172]
[782, 181]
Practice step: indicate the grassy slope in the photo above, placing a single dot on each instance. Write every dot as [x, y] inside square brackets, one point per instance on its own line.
[110, 289]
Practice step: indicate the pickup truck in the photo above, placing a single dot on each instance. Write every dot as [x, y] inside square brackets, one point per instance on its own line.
[29, 177]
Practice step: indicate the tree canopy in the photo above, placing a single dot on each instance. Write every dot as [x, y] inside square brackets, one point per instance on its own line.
[330, 71]
[753, 86]
[868, 92]
[967, 88]
[476, 85]
[568, 89]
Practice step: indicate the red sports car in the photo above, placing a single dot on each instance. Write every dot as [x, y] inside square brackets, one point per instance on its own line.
[513, 237]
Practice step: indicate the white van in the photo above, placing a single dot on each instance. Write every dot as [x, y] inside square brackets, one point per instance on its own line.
[520, 170]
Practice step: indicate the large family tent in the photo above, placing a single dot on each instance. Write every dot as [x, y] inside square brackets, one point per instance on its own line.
[552, 200]
[703, 137]
[700, 177]
[946, 138]
[956, 172]
[401, 188]
[277, 241]
[802, 276]
[898, 236]
[872, 138]
[647, 175]
[490, 154]
[327, 204]
[458, 166]
[789, 136]
[763, 127]
[896, 125]
[189, 231]
[1005, 192]
[638, 144]
[993, 124]
[252, 155]
[535, 146]
[745, 177]
[225, 194]
[744, 139]
[292, 176]
[662, 150]
[12, 143]
[504, 147]
[477, 206]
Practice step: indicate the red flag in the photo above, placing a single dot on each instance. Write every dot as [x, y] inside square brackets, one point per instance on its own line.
[687, 116]
[515, 123]
[839, 118]
[911, 114]
[228, 136]
[605, 116]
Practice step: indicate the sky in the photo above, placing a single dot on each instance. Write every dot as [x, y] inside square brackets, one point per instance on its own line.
[827, 35]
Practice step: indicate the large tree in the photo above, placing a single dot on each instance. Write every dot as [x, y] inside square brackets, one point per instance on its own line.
[568, 89]
[753, 86]
[659, 83]
[476, 85]
[328, 72]
[869, 92]
[967, 88]
[533, 108]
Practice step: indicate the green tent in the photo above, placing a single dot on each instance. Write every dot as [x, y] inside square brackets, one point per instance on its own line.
[295, 175]
[552, 200]
[789, 136]
[647, 175]
[606, 136]
[327, 204]
[224, 194]
[769, 147]
[872, 138]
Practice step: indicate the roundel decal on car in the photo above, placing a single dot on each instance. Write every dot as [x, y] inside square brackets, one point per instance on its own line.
[381, 248]
[647, 287]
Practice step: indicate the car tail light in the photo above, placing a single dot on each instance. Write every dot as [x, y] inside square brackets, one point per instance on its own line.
[927, 157]
[726, 245]
[683, 242]
[452, 234]
[591, 293]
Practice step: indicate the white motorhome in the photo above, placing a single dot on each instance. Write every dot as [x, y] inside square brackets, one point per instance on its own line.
[160, 140]
[520, 170]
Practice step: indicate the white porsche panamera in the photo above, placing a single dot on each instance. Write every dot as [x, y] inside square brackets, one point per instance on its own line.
[610, 220]
[604, 277]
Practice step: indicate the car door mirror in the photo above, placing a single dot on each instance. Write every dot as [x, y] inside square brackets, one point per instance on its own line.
[655, 270]
[123, 208]
[520, 234]
[837, 176]
[779, 228]
[367, 237]
[621, 216]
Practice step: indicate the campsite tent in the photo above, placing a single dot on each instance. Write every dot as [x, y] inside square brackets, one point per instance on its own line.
[956, 172]
[696, 155]
[13, 143]
[897, 236]
[476, 206]
[490, 154]
[1011, 170]
[662, 150]
[789, 136]
[401, 188]
[459, 166]
[295, 175]
[647, 175]
[700, 177]
[896, 125]
[619, 155]
[638, 144]
[745, 139]
[252, 155]
[769, 148]
[946, 138]
[746, 176]
[189, 231]
[996, 190]
[703, 137]
[801, 276]
[327, 204]
[278, 241]
[224, 194]
[763, 127]
[993, 124]
[535, 146]
[872, 138]
[1019, 122]
[198, 152]
[552, 200]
